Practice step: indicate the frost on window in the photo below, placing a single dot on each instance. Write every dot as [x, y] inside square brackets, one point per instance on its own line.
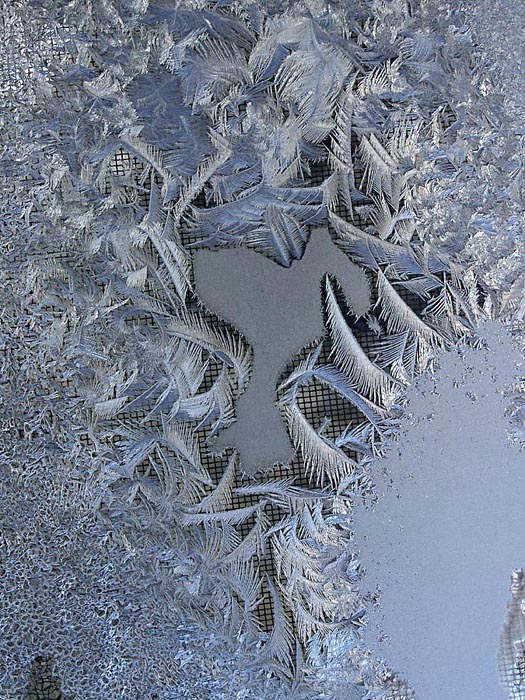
[137, 137]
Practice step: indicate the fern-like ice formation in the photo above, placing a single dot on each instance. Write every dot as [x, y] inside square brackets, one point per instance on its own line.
[132, 132]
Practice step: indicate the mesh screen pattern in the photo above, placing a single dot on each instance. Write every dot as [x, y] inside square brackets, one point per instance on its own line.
[43, 683]
[317, 403]
[131, 182]
[511, 659]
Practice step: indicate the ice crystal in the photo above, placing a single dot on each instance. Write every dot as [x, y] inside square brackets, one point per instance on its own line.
[135, 563]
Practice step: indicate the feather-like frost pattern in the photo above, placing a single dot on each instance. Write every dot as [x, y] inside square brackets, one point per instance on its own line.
[133, 132]
[194, 328]
[398, 315]
[324, 461]
[350, 357]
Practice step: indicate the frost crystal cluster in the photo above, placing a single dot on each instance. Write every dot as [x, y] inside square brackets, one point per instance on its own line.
[134, 562]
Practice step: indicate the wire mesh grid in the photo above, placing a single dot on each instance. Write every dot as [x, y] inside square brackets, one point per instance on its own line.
[30, 51]
[316, 401]
[400, 690]
[43, 684]
[511, 657]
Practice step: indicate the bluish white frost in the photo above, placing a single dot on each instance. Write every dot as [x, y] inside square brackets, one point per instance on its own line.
[447, 528]
[480, 215]
[220, 110]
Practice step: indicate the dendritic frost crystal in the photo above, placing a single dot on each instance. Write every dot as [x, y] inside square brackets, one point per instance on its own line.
[144, 554]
